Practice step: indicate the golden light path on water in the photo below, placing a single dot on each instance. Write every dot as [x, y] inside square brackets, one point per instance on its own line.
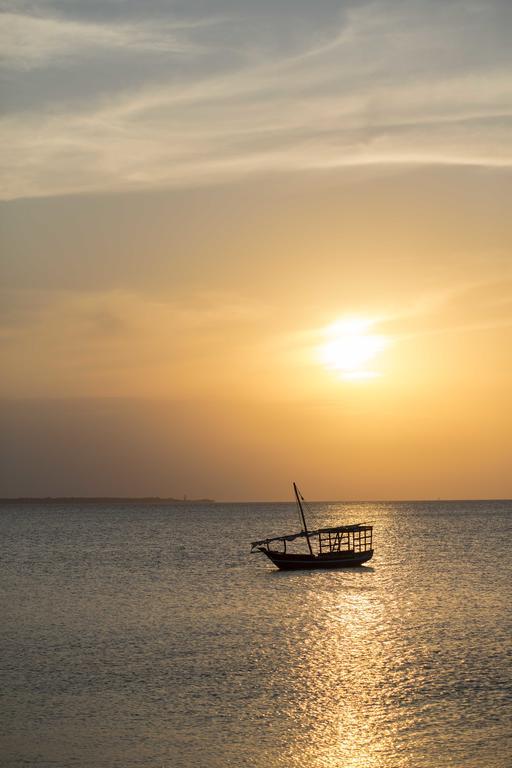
[344, 728]
[344, 721]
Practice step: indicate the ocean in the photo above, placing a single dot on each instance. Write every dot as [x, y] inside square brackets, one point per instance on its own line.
[137, 635]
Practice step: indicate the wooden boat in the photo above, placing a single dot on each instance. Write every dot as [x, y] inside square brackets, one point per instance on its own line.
[338, 547]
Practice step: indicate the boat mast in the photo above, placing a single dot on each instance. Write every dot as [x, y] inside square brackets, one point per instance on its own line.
[299, 502]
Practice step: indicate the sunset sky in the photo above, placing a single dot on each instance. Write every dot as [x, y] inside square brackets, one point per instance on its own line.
[249, 242]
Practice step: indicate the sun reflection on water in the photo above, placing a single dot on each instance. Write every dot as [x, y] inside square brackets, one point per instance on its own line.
[340, 678]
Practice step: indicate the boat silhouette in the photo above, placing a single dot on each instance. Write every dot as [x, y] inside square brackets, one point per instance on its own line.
[342, 546]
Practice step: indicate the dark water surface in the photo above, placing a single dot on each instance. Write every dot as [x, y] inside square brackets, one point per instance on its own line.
[145, 635]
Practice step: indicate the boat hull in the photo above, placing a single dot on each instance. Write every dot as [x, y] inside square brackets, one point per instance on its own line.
[290, 562]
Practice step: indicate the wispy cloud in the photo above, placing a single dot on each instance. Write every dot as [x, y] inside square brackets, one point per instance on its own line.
[29, 42]
[392, 84]
[462, 307]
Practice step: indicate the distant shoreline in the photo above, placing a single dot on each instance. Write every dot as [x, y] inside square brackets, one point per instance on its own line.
[96, 499]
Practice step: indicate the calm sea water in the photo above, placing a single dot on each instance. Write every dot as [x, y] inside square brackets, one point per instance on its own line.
[147, 636]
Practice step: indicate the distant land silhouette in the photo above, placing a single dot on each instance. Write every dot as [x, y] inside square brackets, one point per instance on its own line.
[106, 499]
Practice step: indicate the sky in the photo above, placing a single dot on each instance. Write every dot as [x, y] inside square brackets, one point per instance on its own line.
[245, 243]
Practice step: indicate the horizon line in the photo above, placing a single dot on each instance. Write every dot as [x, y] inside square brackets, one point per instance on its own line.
[205, 500]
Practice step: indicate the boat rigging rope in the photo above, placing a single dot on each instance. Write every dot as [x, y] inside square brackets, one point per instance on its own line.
[301, 526]
[312, 518]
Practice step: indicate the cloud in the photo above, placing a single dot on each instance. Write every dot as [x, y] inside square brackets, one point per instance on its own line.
[391, 84]
[29, 42]
[473, 305]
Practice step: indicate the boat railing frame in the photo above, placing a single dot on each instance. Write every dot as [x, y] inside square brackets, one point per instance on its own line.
[359, 540]
[347, 538]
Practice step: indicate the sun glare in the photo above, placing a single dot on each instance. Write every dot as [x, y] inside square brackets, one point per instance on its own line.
[351, 347]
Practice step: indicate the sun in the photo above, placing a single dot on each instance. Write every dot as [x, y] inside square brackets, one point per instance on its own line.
[351, 347]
